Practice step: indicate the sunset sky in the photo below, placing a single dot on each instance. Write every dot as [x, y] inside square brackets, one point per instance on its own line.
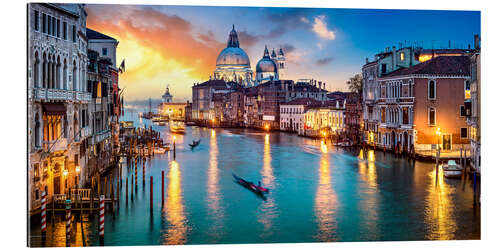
[178, 45]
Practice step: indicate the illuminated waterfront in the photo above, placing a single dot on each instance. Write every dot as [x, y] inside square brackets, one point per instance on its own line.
[318, 193]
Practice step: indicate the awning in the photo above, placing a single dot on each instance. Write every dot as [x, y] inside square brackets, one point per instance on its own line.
[54, 108]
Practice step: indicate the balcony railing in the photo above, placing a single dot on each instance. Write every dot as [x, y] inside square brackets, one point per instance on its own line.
[61, 94]
[56, 145]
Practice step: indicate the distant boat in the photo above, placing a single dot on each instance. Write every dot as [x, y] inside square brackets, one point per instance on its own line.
[176, 127]
[195, 143]
[158, 150]
[452, 169]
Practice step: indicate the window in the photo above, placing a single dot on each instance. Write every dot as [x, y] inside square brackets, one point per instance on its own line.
[384, 68]
[49, 25]
[36, 20]
[74, 34]
[463, 133]
[53, 26]
[44, 23]
[431, 90]
[58, 28]
[104, 51]
[462, 110]
[402, 56]
[467, 89]
[65, 31]
[432, 116]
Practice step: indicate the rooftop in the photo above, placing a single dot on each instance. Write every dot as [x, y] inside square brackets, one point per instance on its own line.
[441, 65]
[92, 34]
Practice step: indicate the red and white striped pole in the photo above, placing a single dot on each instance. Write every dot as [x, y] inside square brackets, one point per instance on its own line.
[68, 222]
[44, 216]
[101, 220]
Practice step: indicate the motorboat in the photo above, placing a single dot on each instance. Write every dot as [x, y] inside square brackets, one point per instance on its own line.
[177, 127]
[452, 169]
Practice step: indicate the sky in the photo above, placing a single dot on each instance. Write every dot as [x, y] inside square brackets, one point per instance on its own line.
[178, 45]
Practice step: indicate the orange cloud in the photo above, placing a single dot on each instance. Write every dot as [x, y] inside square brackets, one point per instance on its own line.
[158, 48]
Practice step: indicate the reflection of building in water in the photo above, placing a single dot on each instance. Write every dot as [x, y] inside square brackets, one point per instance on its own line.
[268, 209]
[174, 209]
[325, 202]
[172, 110]
[369, 203]
[439, 209]
[213, 192]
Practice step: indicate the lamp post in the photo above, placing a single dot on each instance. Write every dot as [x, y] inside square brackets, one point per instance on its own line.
[438, 133]
[174, 147]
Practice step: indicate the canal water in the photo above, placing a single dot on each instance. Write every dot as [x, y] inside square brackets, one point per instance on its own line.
[317, 193]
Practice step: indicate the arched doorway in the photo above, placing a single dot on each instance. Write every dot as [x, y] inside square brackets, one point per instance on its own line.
[57, 178]
[405, 141]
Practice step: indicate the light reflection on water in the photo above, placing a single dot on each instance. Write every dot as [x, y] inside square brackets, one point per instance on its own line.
[213, 192]
[268, 209]
[325, 203]
[174, 209]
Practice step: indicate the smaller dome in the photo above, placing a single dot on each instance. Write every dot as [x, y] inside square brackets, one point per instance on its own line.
[266, 65]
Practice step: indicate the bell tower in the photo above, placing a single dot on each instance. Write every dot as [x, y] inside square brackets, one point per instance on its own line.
[281, 63]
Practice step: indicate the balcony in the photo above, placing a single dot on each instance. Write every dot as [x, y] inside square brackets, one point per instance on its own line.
[60, 144]
[45, 94]
[102, 135]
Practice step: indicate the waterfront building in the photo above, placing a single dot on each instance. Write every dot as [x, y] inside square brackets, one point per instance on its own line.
[203, 98]
[57, 98]
[354, 118]
[422, 105]
[369, 101]
[291, 113]
[172, 110]
[473, 107]
[105, 46]
[324, 119]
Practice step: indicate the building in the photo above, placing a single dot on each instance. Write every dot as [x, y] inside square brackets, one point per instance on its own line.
[266, 69]
[422, 105]
[354, 118]
[203, 94]
[325, 119]
[369, 102]
[292, 113]
[172, 110]
[473, 107]
[58, 98]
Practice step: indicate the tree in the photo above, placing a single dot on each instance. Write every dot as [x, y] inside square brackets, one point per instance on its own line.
[355, 84]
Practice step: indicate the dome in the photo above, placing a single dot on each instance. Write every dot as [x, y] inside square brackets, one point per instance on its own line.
[266, 65]
[233, 56]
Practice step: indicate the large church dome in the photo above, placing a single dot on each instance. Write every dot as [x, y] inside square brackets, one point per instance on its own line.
[233, 56]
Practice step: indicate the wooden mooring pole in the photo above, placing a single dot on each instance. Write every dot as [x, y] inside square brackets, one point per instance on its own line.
[162, 186]
[151, 193]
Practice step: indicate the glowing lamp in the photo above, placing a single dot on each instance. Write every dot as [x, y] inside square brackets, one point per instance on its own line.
[78, 169]
[65, 172]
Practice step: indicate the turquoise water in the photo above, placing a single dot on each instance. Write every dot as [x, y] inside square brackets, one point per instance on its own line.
[317, 193]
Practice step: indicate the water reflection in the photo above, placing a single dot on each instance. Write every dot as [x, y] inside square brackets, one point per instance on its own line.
[325, 202]
[174, 209]
[267, 209]
[370, 202]
[439, 213]
[213, 196]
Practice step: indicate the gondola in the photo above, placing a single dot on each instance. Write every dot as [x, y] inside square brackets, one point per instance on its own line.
[195, 143]
[248, 184]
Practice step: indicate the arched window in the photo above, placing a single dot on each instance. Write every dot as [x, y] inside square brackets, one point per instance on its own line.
[58, 73]
[37, 130]
[44, 71]
[75, 80]
[431, 90]
[65, 75]
[76, 130]
[36, 71]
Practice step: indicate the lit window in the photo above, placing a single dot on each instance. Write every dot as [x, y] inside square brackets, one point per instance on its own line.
[402, 56]
[104, 51]
[467, 89]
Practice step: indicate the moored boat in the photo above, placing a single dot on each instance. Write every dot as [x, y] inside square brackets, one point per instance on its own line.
[452, 169]
[176, 127]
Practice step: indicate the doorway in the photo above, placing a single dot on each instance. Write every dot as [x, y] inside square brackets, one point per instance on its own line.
[447, 142]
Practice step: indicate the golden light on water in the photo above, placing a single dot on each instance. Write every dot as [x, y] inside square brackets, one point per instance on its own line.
[368, 173]
[324, 147]
[439, 209]
[325, 202]
[268, 208]
[176, 233]
[213, 192]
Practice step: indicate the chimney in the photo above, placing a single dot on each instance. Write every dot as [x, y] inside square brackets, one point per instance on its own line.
[366, 60]
[476, 41]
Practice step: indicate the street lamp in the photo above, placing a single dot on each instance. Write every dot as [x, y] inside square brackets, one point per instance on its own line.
[266, 127]
[77, 175]
[438, 133]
